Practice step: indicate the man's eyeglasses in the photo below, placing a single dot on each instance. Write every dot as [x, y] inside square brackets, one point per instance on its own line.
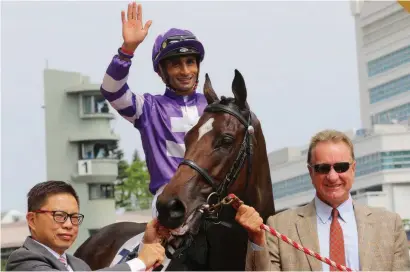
[324, 168]
[61, 217]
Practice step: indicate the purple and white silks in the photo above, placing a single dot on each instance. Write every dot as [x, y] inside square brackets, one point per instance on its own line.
[162, 120]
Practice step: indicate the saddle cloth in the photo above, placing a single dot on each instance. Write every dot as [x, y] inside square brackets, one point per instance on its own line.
[128, 247]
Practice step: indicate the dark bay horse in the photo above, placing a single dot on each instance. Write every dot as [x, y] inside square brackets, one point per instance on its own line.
[225, 153]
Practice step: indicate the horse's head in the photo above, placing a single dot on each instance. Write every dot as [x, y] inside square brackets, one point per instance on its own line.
[219, 150]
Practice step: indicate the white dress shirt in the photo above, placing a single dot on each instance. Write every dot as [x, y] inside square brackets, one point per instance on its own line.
[347, 221]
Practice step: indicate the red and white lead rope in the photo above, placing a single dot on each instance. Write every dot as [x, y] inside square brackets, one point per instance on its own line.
[294, 244]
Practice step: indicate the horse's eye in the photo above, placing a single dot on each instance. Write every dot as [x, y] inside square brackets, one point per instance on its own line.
[226, 141]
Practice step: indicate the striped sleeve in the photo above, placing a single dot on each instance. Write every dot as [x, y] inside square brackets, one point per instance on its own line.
[116, 91]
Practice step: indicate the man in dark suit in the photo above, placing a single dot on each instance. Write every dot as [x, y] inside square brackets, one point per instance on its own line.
[53, 218]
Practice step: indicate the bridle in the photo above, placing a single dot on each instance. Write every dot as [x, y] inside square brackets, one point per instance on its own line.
[220, 189]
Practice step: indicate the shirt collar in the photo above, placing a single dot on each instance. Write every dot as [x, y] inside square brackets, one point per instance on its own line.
[183, 98]
[324, 211]
[55, 254]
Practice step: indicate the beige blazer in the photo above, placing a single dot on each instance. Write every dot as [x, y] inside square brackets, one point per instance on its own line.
[383, 243]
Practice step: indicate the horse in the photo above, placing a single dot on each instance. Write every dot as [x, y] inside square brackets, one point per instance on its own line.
[225, 153]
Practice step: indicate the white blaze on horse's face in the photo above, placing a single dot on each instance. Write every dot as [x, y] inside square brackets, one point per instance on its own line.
[205, 128]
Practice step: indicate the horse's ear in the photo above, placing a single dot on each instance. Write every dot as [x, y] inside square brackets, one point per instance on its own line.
[239, 90]
[209, 92]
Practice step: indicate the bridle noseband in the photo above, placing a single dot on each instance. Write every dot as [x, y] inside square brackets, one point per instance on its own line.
[220, 188]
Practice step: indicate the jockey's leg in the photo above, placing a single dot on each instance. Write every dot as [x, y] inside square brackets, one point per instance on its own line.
[154, 201]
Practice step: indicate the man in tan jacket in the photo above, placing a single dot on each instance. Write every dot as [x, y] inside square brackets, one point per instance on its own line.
[332, 224]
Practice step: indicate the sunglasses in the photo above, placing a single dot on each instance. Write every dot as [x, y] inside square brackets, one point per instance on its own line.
[324, 168]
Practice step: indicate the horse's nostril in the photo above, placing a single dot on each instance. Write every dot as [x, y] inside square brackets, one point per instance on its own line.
[171, 213]
[176, 206]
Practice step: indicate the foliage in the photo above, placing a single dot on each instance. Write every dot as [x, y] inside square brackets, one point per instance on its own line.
[3, 264]
[120, 194]
[406, 226]
[133, 180]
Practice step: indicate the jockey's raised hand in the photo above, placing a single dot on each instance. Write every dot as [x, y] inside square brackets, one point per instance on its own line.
[133, 30]
[250, 219]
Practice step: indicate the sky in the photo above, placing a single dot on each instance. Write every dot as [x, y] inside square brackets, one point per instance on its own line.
[298, 60]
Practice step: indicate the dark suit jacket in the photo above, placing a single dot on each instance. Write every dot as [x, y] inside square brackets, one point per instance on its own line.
[34, 257]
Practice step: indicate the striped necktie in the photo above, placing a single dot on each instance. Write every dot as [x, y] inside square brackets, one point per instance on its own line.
[63, 260]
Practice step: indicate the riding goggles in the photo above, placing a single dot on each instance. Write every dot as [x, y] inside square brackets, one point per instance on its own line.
[175, 39]
[324, 168]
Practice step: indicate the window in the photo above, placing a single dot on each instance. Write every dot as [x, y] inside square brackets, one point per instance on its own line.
[94, 104]
[400, 113]
[389, 61]
[96, 150]
[389, 89]
[292, 186]
[376, 188]
[100, 191]
[382, 161]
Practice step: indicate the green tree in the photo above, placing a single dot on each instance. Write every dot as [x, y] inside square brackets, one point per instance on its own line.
[121, 199]
[3, 264]
[138, 181]
[133, 179]
[406, 226]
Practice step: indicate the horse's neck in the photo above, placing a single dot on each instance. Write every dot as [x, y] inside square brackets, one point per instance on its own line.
[259, 191]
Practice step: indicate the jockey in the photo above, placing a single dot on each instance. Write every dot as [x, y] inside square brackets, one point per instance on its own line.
[162, 120]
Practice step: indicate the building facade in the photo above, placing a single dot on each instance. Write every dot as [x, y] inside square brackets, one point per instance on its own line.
[383, 55]
[80, 144]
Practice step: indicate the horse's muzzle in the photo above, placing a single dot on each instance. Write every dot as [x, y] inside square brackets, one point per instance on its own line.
[171, 212]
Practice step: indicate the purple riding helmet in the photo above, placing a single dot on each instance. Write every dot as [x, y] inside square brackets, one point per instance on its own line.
[176, 42]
